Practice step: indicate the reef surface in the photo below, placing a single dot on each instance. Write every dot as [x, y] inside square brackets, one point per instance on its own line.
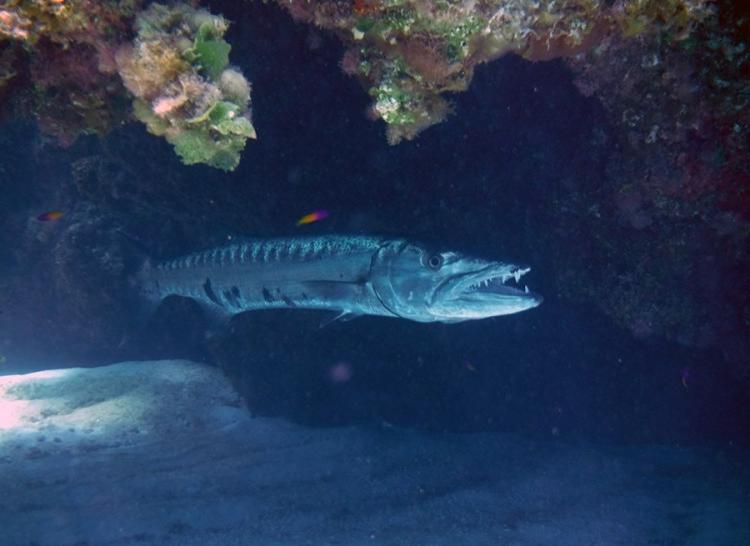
[155, 452]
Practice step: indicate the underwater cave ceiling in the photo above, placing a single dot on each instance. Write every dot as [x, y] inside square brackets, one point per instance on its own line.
[672, 78]
[91, 65]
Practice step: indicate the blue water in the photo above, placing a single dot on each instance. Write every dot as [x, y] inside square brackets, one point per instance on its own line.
[559, 425]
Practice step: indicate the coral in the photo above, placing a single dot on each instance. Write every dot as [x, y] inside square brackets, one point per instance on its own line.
[73, 96]
[404, 105]
[405, 53]
[100, 24]
[409, 53]
[678, 183]
[177, 71]
[234, 86]
[148, 67]
[680, 95]
[66, 62]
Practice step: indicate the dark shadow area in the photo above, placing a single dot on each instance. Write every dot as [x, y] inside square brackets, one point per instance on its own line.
[560, 371]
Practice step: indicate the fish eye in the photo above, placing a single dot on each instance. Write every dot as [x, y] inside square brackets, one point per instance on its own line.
[435, 262]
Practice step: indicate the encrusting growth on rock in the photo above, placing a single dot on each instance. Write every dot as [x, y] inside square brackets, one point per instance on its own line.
[177, 70]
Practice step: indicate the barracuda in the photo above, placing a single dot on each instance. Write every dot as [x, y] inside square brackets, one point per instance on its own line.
[350, 274]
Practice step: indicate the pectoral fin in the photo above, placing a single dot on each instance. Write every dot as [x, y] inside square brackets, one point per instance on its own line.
[344, 316]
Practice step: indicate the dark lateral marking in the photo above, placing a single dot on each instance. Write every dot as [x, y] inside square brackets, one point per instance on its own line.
[234, 296]
[267, 295]
[304, 296]
[210, 293]
[230, 299]
[288, 301]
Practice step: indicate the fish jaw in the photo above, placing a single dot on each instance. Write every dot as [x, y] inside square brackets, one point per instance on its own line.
[493, 290]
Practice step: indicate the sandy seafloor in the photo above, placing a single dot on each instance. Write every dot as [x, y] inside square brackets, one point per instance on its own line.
[164, 453]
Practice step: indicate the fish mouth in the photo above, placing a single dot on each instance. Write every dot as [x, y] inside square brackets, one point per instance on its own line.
[492, 284]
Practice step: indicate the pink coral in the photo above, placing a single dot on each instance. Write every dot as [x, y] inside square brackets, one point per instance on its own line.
[12, 25]
[163, 106]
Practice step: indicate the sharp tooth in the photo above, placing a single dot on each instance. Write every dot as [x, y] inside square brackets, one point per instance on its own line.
[526, 289]
[517, 275]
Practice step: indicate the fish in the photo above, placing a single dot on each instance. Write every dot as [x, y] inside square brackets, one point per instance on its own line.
[350, 274]
[50, 216]
[314, 216]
